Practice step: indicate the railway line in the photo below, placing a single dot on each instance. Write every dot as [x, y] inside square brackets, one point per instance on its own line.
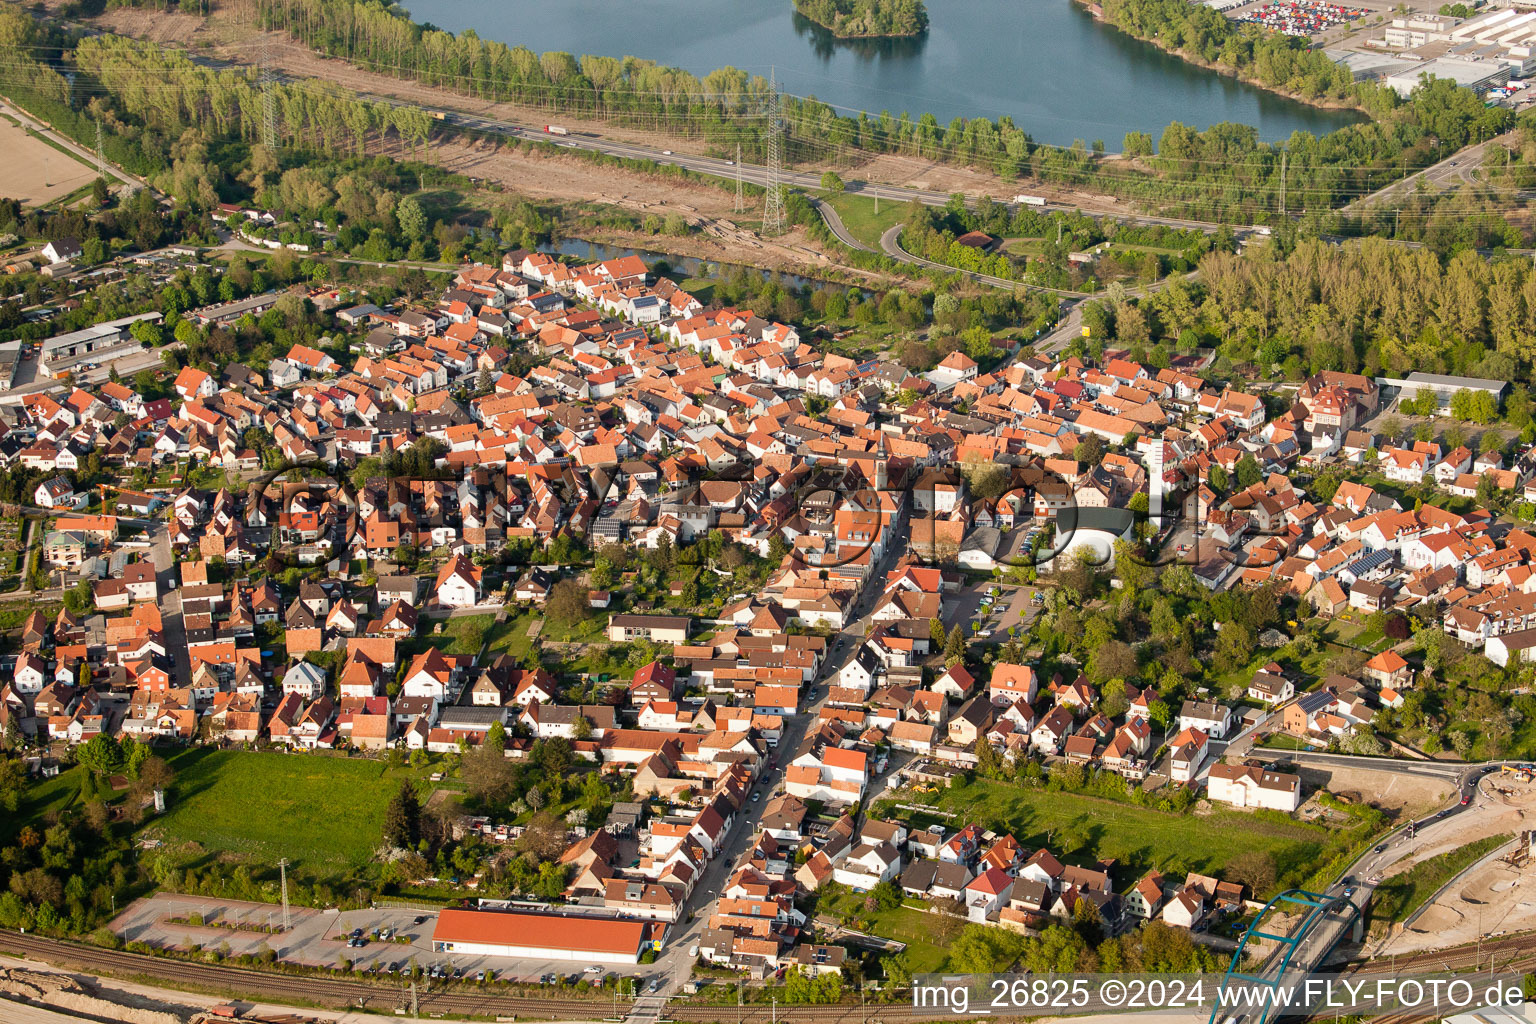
[336, 993]
[1516, 953]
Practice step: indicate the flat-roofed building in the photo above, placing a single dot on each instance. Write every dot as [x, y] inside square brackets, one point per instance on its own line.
[545, 936]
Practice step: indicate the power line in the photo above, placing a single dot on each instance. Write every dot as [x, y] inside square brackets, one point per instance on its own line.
[268, 98]
[773, 203]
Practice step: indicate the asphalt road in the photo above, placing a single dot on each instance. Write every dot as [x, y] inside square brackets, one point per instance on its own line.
[1459, 166]
[890, 244]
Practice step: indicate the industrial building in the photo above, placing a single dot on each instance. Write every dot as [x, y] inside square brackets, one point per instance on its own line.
[10, 362]
[98, 344]
[1443, 386]
[1483, 53]
[1477, 75]
[542, 936]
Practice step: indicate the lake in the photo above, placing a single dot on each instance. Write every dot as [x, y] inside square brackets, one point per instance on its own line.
[1046, 63]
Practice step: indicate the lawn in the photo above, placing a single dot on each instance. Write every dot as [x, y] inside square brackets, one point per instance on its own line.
[41, 797]
[1023, 246]
[859, 216]
[701, 288]
[1401, 895]
[1138, 838]
[323, 813]
[912, 925]
[511, 636]
[461, 634]
[592, 629]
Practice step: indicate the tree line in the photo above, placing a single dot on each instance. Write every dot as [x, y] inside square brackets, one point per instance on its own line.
[1224, 172]
[1366, 307]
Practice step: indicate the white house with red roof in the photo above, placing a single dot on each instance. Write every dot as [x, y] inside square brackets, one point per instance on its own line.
[1011, 683]
[985, 893]
[956, 367]
[428, 675]
[837, 776]
[956, 682]
[1188, 748]
[458, 584]
[310, 360]
[194, 383]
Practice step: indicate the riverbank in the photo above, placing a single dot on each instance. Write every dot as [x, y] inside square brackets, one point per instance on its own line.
[1351, 104]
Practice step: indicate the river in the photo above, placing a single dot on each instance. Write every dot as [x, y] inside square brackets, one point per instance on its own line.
[1047, 64]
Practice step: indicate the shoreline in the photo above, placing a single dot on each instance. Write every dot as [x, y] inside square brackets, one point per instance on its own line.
[1096, 10]
[835, 34]
[801, 11]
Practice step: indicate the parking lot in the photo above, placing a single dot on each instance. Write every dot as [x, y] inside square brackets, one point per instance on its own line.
[320, 938]
[1012, 607]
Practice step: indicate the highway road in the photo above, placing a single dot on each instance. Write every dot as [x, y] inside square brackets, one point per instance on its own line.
[1459, 166]
[753, 174]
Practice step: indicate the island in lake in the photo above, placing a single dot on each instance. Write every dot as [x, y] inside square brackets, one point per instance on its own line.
[866, 19]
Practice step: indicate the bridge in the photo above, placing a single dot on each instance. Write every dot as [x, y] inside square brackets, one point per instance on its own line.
[1324, 922]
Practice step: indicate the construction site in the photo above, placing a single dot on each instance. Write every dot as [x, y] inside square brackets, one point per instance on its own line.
[1493, 896]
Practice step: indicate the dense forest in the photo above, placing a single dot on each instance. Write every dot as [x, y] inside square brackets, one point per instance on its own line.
[1223, 173]
[858, 19]
[1367, 307]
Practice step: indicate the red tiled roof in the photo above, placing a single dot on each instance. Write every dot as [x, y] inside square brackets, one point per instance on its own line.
[591, 935]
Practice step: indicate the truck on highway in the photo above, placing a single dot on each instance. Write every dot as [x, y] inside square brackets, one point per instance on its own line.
[1029, 200]
[555, 129]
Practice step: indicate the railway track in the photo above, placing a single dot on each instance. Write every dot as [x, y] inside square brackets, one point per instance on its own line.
[336, 993]
[1517, 953]
[1519, 949]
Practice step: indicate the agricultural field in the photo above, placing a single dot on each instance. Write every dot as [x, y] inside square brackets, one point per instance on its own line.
[323, 813]
[36, 172]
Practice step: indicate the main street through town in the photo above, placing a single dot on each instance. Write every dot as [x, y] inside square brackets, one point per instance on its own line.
[675, 964]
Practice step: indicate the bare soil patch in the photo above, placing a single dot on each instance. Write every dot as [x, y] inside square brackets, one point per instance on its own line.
[710, 210]
[1493, 899]
[1401, 796]
[920, 172]
[164, 27]
[35, 172]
